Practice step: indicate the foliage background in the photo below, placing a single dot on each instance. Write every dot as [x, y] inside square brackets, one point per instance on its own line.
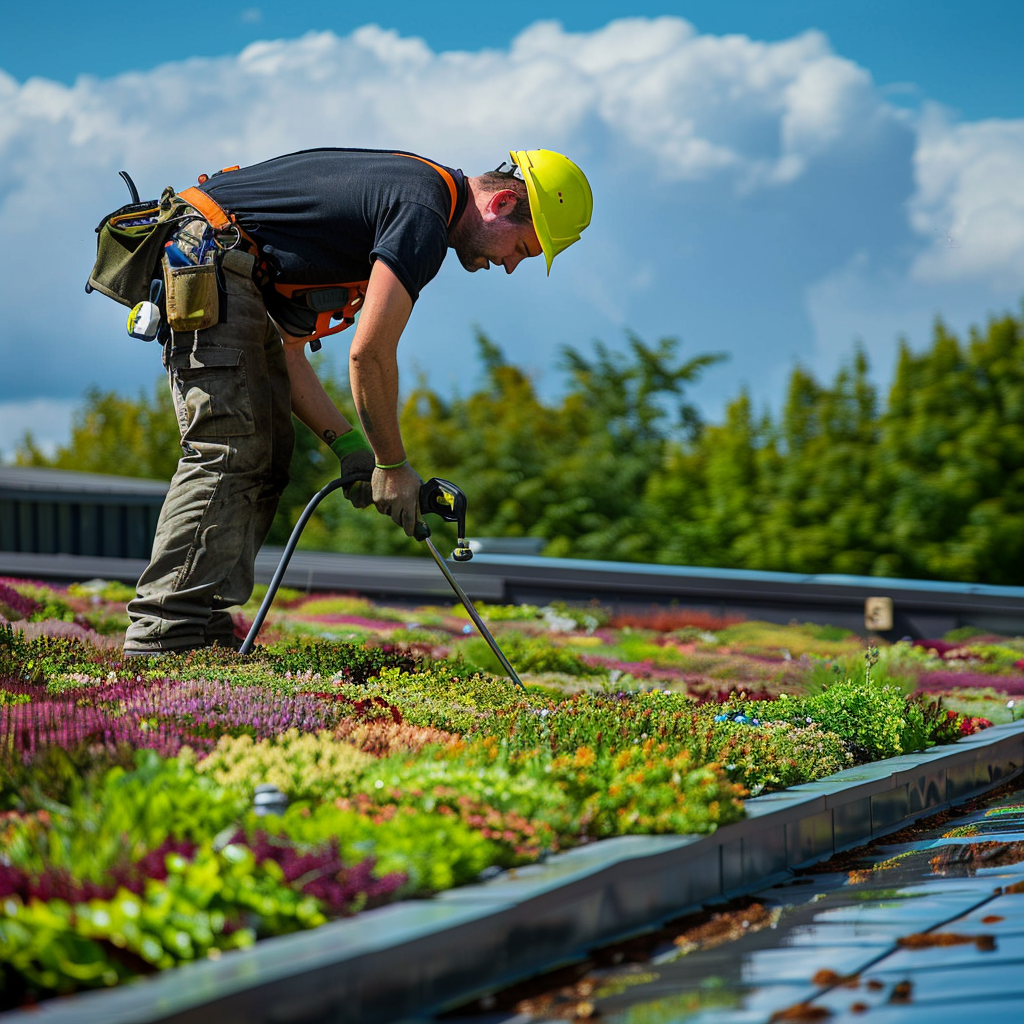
[926, 483]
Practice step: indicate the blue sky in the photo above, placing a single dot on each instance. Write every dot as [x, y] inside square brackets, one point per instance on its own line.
[776, 181]
[964, 55]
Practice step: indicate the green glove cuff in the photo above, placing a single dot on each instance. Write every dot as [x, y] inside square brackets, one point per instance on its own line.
[349, 442]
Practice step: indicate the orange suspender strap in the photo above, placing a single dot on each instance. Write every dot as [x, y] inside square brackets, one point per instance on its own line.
[217, 217]
[207, 207]
[448, 180]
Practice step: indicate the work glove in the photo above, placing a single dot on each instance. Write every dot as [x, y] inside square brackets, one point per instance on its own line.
[356, 458]
[396, 493]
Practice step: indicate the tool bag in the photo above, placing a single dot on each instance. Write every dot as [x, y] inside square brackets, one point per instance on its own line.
[129, 244]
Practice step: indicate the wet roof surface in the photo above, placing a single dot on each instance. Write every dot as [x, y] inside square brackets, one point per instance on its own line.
[927, 929]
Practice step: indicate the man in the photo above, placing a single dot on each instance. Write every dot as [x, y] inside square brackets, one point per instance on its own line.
[300, 244]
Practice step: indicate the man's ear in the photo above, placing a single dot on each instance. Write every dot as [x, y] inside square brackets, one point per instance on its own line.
[501, 204]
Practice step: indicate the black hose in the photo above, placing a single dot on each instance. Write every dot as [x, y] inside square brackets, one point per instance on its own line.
[268, 599]
[132, 190]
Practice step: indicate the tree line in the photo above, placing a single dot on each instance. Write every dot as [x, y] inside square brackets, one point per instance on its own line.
[927, 484]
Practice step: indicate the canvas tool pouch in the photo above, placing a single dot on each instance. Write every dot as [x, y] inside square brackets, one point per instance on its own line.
[129, 244]
[193, 298]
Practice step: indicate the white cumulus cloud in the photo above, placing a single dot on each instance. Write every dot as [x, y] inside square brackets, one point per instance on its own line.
[971, 196]
[748, 194]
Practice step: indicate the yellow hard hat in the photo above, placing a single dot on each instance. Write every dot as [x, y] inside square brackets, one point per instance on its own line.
[560, 198]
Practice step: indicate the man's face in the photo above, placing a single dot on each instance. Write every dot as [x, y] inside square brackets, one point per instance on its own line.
[497, 242]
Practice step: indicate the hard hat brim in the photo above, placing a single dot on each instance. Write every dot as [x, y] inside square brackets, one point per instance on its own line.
[521, 158]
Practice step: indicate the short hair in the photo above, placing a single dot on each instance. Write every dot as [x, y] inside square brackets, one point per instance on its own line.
[499, 181]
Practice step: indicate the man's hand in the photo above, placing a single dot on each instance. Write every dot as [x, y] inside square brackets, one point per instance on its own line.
[356, 458]
[396, 493]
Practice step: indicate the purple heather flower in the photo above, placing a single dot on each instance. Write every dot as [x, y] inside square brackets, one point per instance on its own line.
[20, 606]
[939, 682]
[163, 715]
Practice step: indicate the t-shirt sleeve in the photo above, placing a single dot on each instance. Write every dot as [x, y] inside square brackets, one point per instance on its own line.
[413, 241]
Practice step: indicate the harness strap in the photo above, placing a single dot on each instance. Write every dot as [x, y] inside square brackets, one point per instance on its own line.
[448, 180]
[209, 208]
[324, 300]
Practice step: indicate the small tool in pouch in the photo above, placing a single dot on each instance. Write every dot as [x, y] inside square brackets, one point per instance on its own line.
[193, 297]
[144, 319]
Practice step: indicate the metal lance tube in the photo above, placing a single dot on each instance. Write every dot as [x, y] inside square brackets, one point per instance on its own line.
[473, 614]
[452, 509]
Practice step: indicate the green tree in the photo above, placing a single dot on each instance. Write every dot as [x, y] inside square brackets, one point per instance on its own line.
[817, 513]
[951, 458]
[572, 471]
[930, 486]
[114, 434]
[701, 508]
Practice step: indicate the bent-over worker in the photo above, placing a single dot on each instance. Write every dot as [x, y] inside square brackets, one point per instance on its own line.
[302, 243]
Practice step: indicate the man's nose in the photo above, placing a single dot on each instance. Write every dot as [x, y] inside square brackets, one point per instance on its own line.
[511, 262]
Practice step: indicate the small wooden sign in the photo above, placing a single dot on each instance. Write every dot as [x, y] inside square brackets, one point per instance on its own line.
[878, 614]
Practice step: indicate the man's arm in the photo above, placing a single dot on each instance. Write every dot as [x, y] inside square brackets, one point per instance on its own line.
[373, 362]
[373, 375]
[313, 406]
[309, 400]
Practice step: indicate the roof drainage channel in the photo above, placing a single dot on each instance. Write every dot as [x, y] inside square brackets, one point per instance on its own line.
[415, 957]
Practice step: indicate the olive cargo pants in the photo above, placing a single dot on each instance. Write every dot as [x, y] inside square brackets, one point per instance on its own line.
[230, 388]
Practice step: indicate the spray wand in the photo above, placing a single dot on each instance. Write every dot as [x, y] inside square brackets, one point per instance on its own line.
[437, 497]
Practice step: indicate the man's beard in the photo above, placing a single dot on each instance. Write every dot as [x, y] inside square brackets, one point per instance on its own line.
[470, 250]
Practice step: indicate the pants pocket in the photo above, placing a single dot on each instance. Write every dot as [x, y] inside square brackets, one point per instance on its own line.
[211, 394]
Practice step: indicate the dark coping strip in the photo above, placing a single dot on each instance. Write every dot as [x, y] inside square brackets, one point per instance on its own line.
[414, 958]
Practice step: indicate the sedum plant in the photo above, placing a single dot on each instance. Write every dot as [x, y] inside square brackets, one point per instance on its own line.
[645, 789]
[214, 900]
[301, 765]
[440, 697]
[877, 720]
[431, 852]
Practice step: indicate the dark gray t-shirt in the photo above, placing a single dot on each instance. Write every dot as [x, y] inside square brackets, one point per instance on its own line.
[322, 216]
